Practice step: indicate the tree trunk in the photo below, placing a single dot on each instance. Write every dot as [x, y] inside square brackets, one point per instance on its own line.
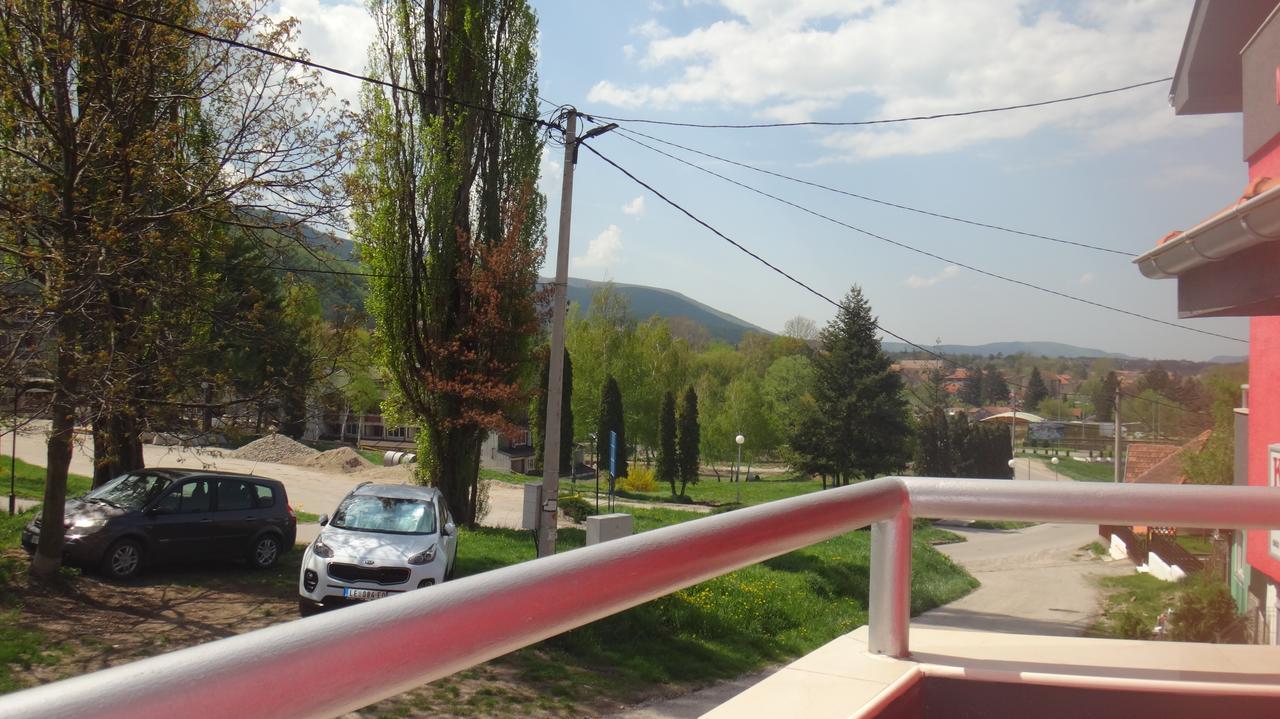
[455, 471]
[117, 447]
[48, 556]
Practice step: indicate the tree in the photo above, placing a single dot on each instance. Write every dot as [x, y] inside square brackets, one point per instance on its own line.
[860, 428]
[971, 391]
[934, 455]
[688, 440]
[1156, 379]
[539, 413]
[801, 328]
[995, 390]
[452, 224]
[1215, 462]
[1104, 397]
[124, 144]
[612, 420]
[1036, 392]
[668, 452]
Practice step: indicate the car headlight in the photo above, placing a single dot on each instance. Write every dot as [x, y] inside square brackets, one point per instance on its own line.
[88, 522]
[320, 549]
[425, 557]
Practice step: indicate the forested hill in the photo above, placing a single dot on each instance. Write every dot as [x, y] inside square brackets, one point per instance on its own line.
[646, 302]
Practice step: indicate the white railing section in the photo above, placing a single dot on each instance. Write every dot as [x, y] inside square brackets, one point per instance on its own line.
[336, 662]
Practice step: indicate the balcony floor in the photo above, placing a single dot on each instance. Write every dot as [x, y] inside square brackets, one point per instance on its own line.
[1108, 677]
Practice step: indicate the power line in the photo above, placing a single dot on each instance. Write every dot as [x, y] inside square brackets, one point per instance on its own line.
[792, 278]
[315, 65]
[857, 123]
[875, 200]
[927, 253]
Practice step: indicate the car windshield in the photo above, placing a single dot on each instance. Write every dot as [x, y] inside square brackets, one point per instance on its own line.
[393, 515]
[129, 491]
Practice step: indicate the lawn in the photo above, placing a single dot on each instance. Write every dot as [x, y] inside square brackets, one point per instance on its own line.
[708, 491]
[1082, 471]
[721, 628]
[1133, 605]
[29, 480]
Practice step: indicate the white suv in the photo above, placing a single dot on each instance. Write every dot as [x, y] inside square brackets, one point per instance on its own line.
[383, 539]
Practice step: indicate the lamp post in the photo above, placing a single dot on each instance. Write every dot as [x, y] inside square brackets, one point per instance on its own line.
[1013, 462]
[738, 468]
[1054, 462]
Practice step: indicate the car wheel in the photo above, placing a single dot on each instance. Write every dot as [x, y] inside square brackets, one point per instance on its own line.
[307, 608]
[265, 552]
[123, 559]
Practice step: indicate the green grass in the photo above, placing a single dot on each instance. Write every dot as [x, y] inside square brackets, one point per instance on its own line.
[1133, 606]
[707, 491]
[306, 517]
[938, 535]
[1195, 544]
[29, 480]
[20, 647]
[1004, 524]
[720, 628]
[1082, 471]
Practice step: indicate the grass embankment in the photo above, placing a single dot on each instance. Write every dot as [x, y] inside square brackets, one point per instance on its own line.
[29, 480]
[1201, 609]
[20, 645]
[721, 628]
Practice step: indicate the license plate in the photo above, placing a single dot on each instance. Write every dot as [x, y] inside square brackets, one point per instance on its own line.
[351, 593]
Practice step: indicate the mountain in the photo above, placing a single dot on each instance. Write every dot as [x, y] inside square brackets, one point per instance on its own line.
[1035, 349]
[646, 302]
[1229, 359]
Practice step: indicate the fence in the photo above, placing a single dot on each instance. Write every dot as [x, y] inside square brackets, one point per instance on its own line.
[331, 664]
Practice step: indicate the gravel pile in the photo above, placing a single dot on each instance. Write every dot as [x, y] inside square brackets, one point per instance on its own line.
[275, 448]
[342, 459]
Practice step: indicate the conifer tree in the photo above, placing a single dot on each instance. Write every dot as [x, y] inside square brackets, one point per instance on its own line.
[1036, 393]
[668, 458]
[611, 420]
[971, 390]
[688, 440]
[860, 429]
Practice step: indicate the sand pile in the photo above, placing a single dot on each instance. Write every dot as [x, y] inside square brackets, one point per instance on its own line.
[342, 459]
[275, 448]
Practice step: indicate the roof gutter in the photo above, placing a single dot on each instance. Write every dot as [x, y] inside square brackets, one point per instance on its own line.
[1249, 223]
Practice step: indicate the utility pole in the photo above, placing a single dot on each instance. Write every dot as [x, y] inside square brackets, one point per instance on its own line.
[555, 380]
[1115, 454]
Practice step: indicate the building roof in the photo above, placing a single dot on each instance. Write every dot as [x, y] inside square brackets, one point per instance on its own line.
[1160, 463]
[1010, 417]
[1208, 76]
[1252, 219]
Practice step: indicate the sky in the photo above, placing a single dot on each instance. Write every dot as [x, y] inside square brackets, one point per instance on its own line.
[1118, 171]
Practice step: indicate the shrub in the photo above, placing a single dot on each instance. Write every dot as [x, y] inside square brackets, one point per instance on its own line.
[639, 479]
[1205, 612]
[575, 507]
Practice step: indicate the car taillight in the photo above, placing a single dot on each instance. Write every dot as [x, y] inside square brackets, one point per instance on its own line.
[290, 508]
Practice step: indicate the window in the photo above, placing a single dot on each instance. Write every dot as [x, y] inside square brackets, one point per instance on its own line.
[187, 498]
[129, 491]
[234, 495]
[266, 497]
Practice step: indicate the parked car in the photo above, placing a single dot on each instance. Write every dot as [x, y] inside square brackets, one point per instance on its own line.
[383, 539]
[166, 515]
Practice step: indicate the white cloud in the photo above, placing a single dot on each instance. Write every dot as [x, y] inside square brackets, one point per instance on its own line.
[1086, 278]
[792, 61]
[602, 252]
[628, 51]
[916, 281]
[635, 208]
[337, 34]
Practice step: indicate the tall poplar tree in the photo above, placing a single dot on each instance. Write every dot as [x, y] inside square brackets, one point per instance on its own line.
[688, 439]
[668, 457]
[612, 419]
[452, 222]
[1037, 392]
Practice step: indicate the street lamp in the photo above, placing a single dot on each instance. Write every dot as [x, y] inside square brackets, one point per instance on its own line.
[1012, 462]
[1054, 462]
[737, 472]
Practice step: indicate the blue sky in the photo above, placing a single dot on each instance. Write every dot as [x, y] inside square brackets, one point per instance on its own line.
[1118, 171]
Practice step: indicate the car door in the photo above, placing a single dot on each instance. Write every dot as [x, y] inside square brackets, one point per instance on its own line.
[236, 517]
[180, 523]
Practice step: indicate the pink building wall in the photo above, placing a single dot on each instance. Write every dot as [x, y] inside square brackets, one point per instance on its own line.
[1264, 387]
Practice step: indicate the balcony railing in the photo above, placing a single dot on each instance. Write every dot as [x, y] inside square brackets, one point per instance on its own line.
[333, 663]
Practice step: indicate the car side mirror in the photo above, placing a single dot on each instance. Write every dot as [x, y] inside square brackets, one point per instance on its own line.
[324, 520]
[449, 529]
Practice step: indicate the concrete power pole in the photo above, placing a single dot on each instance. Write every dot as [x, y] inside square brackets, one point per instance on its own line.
[555, 380]
[1115, 454]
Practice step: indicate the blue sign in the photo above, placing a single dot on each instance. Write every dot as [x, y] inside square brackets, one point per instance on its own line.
[613, 453]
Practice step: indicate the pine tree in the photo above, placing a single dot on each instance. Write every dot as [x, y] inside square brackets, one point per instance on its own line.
[1036, 393]
[933, 445]
[668, 456]
[971, 390]
[689, 440]
[994, 388]
[611, 420]
[539, 414]
[1104, 398]
[860, 429]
